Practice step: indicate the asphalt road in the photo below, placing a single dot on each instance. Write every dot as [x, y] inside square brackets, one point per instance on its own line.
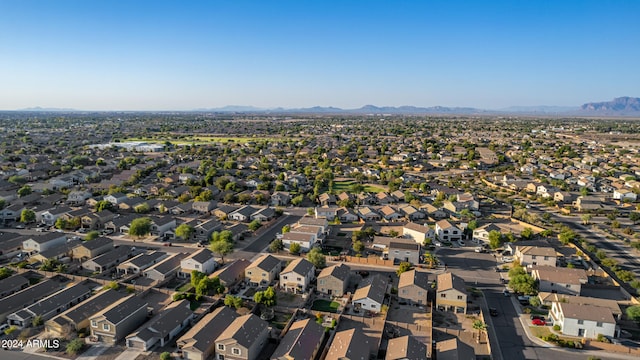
[262, 241]
[478, 270]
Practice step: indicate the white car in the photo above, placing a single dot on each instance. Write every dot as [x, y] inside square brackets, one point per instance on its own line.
[437, 243]
[507, 259]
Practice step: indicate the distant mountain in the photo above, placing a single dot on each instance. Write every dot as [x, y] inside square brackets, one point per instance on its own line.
[619, 106]
[234, 108]
[38, 108]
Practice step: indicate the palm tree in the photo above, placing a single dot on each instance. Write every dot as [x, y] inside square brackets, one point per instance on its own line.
[480, 326]
[430, 259]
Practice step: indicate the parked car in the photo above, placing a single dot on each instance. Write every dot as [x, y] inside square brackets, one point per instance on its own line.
[166, 244]
[479, 249]
[538, 322]
[493, 311]
[19, 226]
[538, 317]
[506, 293]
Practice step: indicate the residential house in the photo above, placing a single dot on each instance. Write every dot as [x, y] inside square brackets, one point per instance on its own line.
[407, 348]
[419, 233]
[12, 285]
[582, 320]
[563, 197]
[370, 294]
[305, 240]
[244, 339]
[119, 319]
[280, 198]
[323, 223]
[326, 212]
[559, 280]
[350, 344]
[202, 260]
[243, 214]
[49, 217]
[165, 269]
[326, 199]
[50, 305]
[481, 234]
[96, 220]
[140, 262]
[535, 256]
[334, 280]
[624, 195]
[11, 212]
[433, 212]
[40, 243]
[203, 230]
[398, 249]
[411, 213]
[451, 293]
[90, 249]
[547, 298]
[263, 215]
[108, 260]
[413, 287]
[56, 252]
[454, 349]
[302, 341]
[78, 197]
[367, 213]
[160, 226]
[115, 198]
[297, 276]
[203, 207]
[263, 271]
[199, 342]
[347, 215]
[223, 211]
[30, 295]
[232, 274]
[77, 317]
[447, 232]
[389, 214]
[171, 321]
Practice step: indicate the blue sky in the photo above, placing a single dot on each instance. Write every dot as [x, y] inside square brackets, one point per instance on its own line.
[182, 55]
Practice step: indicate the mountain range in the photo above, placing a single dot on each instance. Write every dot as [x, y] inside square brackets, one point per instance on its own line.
[622, 106]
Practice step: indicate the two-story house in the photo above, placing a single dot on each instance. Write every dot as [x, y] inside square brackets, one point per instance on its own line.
[581, 320]
[165, 269]
[350, 344]
[40, 243]
[202, 260]
[559, 280]
[419, 233]
[302, 341]
[447, 232]
[297, 276]
[413, 287]
[408, 347]
[535, 256]
[232, 274]
[119, 319]
[244, 339]
[451, 293]
[370, 294]
[140, 262]
[263, 271]
[334, 280]
[90, 249]
[199, 342]
[161, 330]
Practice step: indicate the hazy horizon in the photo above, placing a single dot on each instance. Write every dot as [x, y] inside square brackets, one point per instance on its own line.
[164, 55]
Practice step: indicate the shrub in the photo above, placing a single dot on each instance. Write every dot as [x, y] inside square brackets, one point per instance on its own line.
[602, 338]
[526, 310]
[556, 327]
[165, 356]
[74, 346]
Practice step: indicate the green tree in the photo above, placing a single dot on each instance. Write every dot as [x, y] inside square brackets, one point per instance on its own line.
[472, 225]
[495, 239]
[404, 266]
[27, 216]
[276, 245]
[255, 225]
[586, 219]
[61, 223]
[5, 272]
[316, 257]
[527, 233]
[24, 191]
[221, 247]
[140, 227]
[480, 326]
[3, 203]
[523, 283]
[142, 208]
[196, 276]
[294, 248]
[103, 205]
[165, 356]
[296, 201]
[233, 301]
[74, 346]
[633, 216]
[286, 229]
[92, 235]
[358, 246]
[266, 297]
[184, 231]
[633, 313]
[567, 236]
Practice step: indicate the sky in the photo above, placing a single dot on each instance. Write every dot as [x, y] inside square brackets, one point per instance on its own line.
[185, 55]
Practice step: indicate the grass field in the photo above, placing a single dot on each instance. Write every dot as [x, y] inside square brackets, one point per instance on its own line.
[199, 140]
[345, 185]
[325, 305]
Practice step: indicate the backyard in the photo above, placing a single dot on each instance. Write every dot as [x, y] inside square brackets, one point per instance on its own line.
[325, 305]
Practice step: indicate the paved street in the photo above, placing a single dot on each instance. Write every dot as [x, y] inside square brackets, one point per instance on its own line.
[477, 269]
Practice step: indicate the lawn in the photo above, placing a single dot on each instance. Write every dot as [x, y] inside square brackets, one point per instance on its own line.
[540, 331]
[345, 185]
[199, 140]
[373, 189]
[325, 305]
